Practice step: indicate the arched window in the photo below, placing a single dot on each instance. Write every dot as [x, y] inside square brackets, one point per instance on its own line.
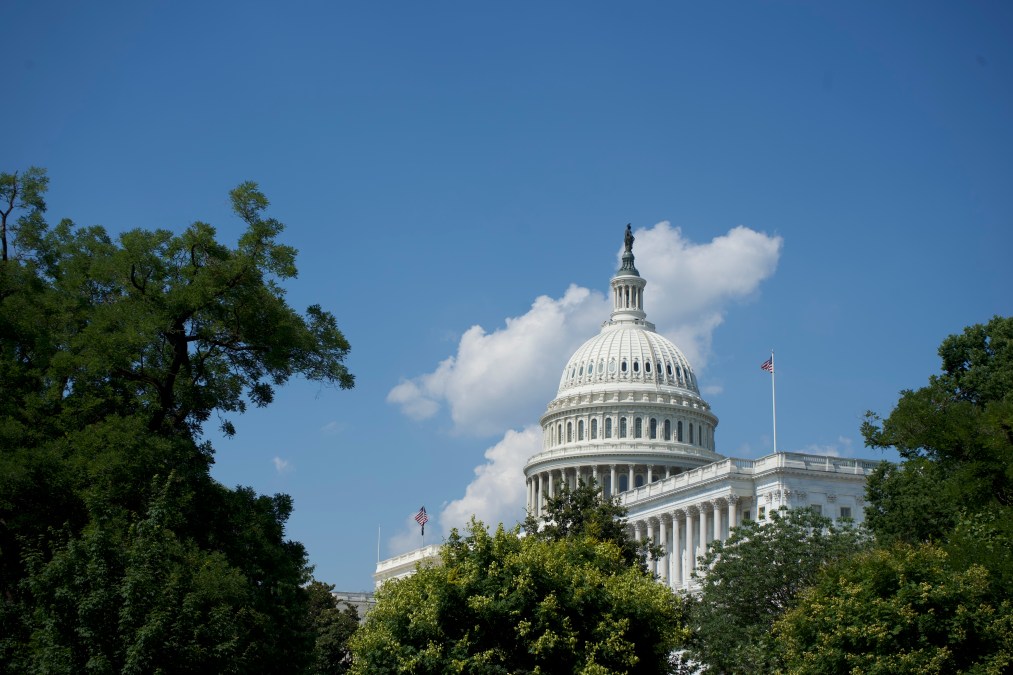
[590, 369]
[624, 483]
[647, 367]
[622, 366]
[668, 369]
[691, 433]
[654, 428]
[594, 429]
[559, 433]
[569, 432]
[580, 430]
[636, 366]
[668, 430]
[622, 427]
[639, 480]
[679, 432]
[608, 427]
[638, 428]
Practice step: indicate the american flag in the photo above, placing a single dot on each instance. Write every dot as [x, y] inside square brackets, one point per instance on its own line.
[422, 518]
[768, 365]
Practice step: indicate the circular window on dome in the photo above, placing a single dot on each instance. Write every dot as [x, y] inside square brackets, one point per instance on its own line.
[636, 366]
[612, 366]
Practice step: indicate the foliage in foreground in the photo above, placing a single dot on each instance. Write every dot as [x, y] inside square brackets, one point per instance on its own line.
[902, 609]
[937, 596]
[501, 603]
[584, 511]
[756, 575]
[118, 551]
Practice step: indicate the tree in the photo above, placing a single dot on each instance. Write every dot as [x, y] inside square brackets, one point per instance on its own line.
[902, 609]
[753, 577]
[956, 433]
[23, 193]
[333, 626]
[584, 511]
[118, 551]
[501, 603]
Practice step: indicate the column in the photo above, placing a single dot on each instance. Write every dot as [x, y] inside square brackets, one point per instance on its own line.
[652, 564]
[541, 493]
[650, 474]
[665, 561]
[692, 540]
[552, 485]
[594, 477]
[717, 520]
[733, 515]
[703, 529]
[632, 480]
[677, 549]
[612, 485]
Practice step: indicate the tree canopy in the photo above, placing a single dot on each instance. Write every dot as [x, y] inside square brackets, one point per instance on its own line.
[936, 595]
[585, 511]
[118, 551]
[753, 577]
[501, 603]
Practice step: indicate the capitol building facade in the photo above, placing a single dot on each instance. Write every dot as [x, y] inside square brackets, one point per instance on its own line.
[629, 415]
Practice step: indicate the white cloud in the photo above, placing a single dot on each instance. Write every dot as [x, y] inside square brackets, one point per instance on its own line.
[281, 465]
[842, 448]
[409, 537]
[502, 379]
[332, 428]
[495, 496]
[712, 390]
[689, 286]
[497, 493]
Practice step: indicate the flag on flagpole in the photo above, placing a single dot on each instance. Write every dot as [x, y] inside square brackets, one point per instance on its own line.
[768, 365]
[422, 518]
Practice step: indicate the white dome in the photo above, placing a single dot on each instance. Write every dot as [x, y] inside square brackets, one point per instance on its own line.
[624, 355]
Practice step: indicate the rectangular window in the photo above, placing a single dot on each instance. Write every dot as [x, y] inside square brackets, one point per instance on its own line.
[845, 512]
[745, 515]
[817, 509]
[761, 513]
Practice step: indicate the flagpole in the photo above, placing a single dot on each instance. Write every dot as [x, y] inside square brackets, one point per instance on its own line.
[773, 397]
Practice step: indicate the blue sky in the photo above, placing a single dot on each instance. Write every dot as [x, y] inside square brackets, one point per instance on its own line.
[829, 180]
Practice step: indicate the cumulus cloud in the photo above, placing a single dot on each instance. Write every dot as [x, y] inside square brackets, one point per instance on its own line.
[281, 465]
[502, 379]
[496, 495]
[689, 286]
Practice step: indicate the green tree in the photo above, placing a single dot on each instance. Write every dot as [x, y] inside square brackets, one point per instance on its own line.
[584, 511]
[753, 577]
[333, 626]
[902, 609]
[21, 193]
[501, 603]
[955, 433]
[118, 551]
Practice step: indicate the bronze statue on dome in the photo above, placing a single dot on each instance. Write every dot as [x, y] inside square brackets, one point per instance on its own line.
[629, 238]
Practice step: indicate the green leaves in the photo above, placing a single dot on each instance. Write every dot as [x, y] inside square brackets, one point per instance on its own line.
[755, 576]
[500, 603]
[118, 552]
